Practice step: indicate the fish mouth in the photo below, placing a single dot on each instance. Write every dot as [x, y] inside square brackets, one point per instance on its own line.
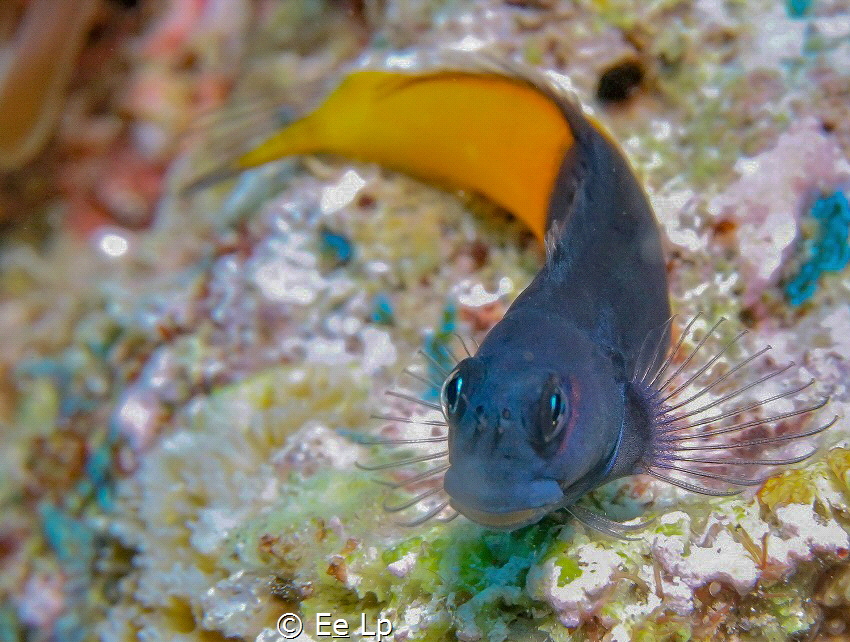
[503, 521]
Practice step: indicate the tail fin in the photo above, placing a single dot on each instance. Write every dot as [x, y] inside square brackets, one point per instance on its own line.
[495, 135]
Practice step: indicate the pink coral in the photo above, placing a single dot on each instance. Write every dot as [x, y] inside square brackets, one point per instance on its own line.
[770, 195]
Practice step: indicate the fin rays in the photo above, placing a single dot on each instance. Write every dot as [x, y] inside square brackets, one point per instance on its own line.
[604, 525]
[692, 487]
[765, 440]
[731, 413]
[416, 478]
[430, 500]
[683, 430]
[403, 462]
[378, 441]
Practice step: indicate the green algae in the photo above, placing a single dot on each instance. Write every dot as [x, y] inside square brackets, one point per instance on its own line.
[569, 567]
[670, 529]
[302, 516]
[464, 578]
[557, 632]
[569, 570]
[790, 613]
[495, 559]
[664, 628]
[478, 576]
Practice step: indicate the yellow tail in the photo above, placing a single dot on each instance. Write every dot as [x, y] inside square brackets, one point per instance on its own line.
[486, 133]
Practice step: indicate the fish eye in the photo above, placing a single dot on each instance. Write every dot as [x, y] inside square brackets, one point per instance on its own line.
[556, 407]
[554, 410]
[451, 395]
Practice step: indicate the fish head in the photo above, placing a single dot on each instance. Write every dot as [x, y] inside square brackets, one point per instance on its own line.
[533, 425]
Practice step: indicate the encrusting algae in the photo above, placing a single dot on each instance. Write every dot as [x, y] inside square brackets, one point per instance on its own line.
[232, 362]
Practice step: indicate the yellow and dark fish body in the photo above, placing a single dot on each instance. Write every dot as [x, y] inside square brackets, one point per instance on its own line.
[552, 381]
[561, 397]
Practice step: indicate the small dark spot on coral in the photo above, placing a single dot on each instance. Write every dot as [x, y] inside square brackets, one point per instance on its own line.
[365, 201]
[619, 81]
[10, 542]
[96, 34]
[721, 36]
[747, 317]
[267, 542]
[288, 590]
[827, 126]
[479, 253]
[321, 530]
[462, 596]
[338, 569]
[354, 345]
[724, 229]
[189, 61]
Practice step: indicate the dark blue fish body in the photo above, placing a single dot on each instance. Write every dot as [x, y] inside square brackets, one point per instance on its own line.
[544, 411]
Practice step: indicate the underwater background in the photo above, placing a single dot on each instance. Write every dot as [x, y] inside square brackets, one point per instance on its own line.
[186, 375]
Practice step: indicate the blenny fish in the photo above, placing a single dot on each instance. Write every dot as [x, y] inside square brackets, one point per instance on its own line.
[578, 384]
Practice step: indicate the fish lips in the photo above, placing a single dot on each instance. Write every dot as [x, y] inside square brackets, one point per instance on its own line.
[503, 521]
[495, 509]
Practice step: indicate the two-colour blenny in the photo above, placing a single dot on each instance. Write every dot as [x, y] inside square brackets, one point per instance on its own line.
[578, 384]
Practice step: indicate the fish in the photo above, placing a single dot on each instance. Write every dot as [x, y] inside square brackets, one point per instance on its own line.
[580, 383]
